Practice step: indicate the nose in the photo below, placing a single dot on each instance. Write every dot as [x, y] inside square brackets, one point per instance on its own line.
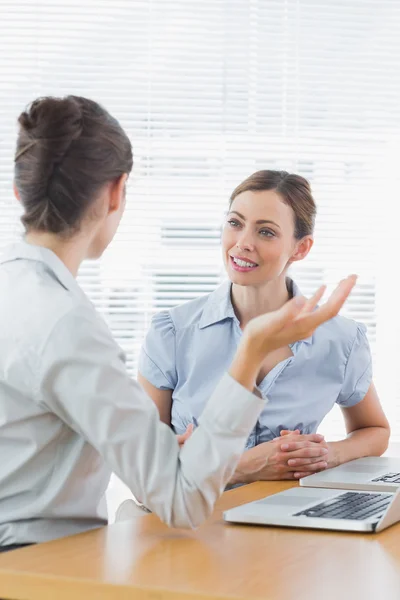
[245, 242]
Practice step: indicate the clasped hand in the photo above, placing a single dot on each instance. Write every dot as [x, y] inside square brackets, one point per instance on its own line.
[291, 456]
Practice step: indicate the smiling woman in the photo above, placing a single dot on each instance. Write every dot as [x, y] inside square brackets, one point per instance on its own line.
[268, 227]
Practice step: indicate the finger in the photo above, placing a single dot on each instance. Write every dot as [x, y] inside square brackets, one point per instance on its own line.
[291, 435]
[286, 314]
[312, 302]
[288, 432]
[301, 441]
[342, 290]
[299, 474]
[306, 325]
[319, 466]
[336, 300]
[307, 452]
[299, 463]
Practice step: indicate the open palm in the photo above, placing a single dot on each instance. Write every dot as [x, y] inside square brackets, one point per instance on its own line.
[298, 318]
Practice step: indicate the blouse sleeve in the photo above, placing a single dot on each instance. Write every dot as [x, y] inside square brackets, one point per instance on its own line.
[358, 370]
[157, 357]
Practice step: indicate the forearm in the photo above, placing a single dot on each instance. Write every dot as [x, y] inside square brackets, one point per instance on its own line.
[369, 441]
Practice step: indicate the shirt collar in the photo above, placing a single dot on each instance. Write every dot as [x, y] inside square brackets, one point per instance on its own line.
[219, 305]
[24, 251]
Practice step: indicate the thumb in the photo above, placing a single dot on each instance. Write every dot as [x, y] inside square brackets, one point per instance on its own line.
[185, 436]
[188, 432]
[284, 432]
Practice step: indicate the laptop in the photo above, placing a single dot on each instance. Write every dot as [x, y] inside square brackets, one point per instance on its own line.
[316, 508]
[375, 474]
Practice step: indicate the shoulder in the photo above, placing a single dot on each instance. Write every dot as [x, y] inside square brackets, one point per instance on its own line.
[49, 303]
[184, 316]
[78, 326]
[204, 311]
[189, 313]
[167, 323]
[342, 333]
[73, 315]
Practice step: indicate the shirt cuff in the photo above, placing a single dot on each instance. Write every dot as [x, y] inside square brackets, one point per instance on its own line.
[232, 407]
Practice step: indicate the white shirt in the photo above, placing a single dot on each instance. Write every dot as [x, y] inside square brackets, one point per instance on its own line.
[70, 414]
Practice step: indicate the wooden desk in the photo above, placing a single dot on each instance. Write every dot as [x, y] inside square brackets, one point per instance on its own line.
[143, 559]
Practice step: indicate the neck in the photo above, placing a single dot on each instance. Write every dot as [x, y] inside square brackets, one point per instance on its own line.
[71, 251]
[250, 301]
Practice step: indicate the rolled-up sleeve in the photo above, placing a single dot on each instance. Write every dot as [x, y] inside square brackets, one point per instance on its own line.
[157, 361]
[358, 370]
[83, 380]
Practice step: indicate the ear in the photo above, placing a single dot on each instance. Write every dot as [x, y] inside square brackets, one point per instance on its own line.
[16, 192]
[117, 193]
[302, 248]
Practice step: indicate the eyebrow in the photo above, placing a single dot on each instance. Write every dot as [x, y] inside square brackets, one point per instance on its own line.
[259, 222]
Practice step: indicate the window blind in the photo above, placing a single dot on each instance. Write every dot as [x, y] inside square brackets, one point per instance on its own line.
[209, 92]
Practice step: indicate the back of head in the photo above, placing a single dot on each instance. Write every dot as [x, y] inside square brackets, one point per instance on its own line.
[294, 190]
[67, 150]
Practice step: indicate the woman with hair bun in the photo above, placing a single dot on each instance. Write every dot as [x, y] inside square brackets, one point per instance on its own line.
[69, 412]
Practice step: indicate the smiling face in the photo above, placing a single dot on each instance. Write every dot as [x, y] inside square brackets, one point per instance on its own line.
[258, 241]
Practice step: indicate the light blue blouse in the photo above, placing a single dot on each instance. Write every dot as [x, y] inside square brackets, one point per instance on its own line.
[189, 347]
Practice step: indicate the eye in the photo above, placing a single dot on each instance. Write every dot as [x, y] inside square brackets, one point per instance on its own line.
[267, 233]
[233, 223]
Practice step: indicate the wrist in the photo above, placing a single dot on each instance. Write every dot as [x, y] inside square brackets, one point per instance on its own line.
[250, 465]
[239, 478]
[335, 454]
[241, 474]
[246, 364]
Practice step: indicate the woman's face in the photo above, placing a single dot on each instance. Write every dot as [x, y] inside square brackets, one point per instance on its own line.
[258, 242]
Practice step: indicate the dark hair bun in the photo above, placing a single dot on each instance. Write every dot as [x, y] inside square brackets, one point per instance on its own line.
[53, 123]
[67, 148]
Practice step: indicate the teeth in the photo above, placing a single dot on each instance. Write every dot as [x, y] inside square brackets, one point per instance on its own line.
[243, 263]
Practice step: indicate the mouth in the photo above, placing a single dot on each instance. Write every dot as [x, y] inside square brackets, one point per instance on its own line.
[242, 265]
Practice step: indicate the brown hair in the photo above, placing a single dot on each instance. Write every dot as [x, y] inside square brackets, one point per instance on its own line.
[67, 149]
[294, 190]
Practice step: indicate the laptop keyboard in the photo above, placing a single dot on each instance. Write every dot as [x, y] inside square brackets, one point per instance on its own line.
[350, 505]
[389, 478]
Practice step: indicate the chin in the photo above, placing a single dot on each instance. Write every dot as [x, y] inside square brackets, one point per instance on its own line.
[249, 279]
[241, 278]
